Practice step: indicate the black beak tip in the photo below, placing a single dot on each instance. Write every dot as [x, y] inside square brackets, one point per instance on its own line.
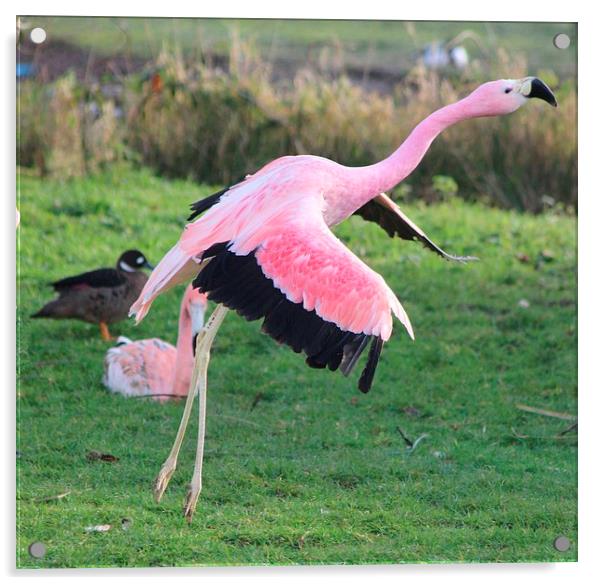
[540, 90]
[148, 265]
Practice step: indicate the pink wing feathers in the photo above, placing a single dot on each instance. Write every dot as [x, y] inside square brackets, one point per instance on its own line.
[182, 262]
[312, 267]
[287, 280]
[264, 250]
[313, 294]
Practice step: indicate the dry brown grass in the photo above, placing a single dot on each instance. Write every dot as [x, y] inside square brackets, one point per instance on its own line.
[197, 121]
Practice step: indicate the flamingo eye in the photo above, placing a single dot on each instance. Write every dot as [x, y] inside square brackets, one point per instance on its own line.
[508, 90]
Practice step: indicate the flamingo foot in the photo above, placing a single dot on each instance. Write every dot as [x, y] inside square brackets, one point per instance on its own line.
[162, 480]
[194, 491]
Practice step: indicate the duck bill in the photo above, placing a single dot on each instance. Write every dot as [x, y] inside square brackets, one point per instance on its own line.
[148, 265]
[532, 87]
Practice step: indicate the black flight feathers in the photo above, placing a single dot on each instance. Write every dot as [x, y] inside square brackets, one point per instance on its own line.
[395, 225]
[204, 204]
[239, 283]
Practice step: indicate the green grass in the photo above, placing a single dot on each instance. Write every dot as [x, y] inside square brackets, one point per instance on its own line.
[367, 43]
[316, 472]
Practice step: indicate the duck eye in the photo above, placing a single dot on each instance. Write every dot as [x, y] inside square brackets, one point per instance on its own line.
[508, 90]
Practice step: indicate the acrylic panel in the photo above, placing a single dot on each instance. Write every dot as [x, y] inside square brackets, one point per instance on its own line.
[369, 227]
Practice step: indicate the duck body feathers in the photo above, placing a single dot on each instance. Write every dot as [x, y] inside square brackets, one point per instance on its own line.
[101, 278]
[103, 295]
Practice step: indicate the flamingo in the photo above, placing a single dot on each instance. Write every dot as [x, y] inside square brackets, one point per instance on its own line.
[153, 367]
[263, 247]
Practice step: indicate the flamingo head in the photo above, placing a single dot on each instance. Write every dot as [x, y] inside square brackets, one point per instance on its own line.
[504, 96]
[196, 304]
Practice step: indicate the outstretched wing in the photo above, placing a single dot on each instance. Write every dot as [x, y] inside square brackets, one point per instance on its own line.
[313, 293]
[103, 277]
[383, 211]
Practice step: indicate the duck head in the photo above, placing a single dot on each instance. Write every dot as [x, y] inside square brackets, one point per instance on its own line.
[133, 260]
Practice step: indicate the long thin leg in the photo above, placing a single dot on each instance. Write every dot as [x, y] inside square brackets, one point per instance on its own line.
[170, 464]
[168, 468]
[202, 361]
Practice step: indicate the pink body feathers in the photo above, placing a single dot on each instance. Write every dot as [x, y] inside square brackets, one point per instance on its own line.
[281, 212]
[297, 275]
[263, 248]
[153, 367]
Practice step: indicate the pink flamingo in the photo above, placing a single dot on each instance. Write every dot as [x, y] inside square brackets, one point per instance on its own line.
[264, 248]
[153, 367]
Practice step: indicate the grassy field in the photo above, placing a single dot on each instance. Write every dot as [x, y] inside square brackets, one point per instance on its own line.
[387, 45]
[316, 472]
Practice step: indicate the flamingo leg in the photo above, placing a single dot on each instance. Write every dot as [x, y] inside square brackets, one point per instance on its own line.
[203, 352]
[168, 468]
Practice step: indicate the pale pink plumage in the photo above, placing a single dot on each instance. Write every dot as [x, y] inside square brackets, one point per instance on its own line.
[264, 248]
[153, 367]
[282, 214]
[266, 211]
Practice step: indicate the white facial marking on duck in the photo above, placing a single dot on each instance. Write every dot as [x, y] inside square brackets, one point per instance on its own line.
[126, 267]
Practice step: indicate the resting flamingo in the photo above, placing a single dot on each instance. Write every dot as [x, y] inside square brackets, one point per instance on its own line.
[153, 367]
[263, 247]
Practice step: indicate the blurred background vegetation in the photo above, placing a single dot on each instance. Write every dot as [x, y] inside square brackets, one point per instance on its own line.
[213, 100]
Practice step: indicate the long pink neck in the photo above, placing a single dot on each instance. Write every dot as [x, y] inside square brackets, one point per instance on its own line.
[184, 356]
[372, 180]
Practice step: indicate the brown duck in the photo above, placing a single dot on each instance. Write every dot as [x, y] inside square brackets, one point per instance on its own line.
[101, 296]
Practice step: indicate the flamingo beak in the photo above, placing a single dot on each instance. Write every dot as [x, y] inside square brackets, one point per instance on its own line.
[197, 318]
[533, 87]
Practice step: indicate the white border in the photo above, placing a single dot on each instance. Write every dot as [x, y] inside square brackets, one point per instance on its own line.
[376, 9]
[590, 291]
